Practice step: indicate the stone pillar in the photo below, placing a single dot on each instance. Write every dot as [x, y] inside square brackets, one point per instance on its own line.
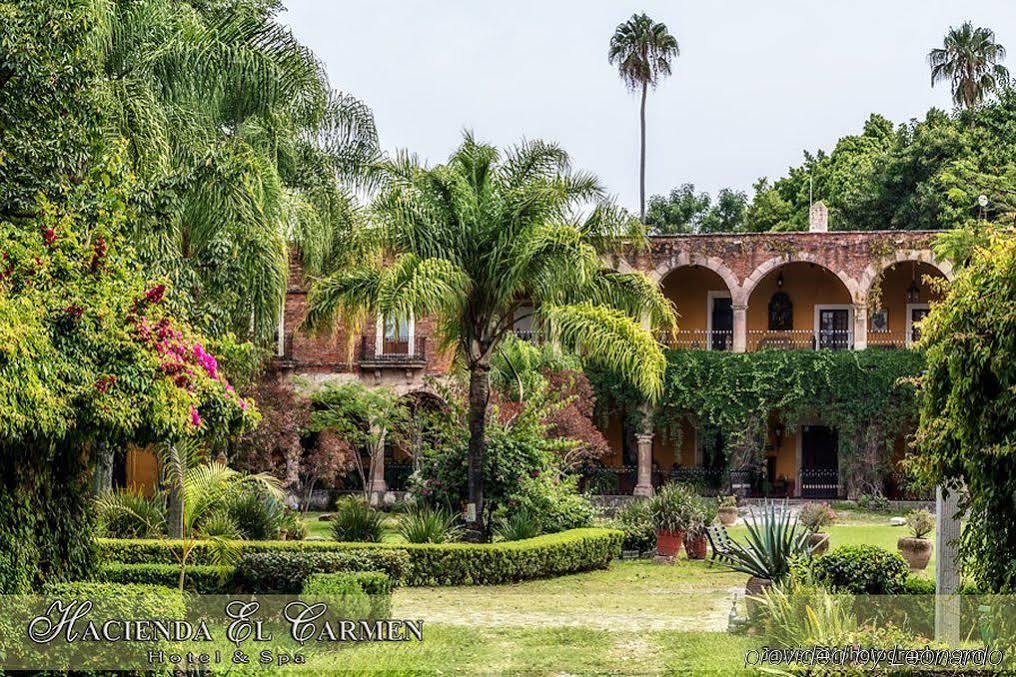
[740, 327]
[860, 326]
[644, 486]
[376, 485]
[947, 571]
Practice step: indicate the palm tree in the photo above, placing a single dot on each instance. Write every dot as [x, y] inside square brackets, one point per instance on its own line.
[642, 50]
[969, 60]
[242, 147]
[485, 239]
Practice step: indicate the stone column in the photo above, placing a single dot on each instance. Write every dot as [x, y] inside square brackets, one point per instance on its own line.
[947, 572]
[740, 327]
[860, 326]
[376, 485]
[644, 486]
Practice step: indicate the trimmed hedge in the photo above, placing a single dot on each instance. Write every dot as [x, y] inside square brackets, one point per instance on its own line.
[202, 579]
[356, 595]
[861, 570]
[285, 571]
[425, 563]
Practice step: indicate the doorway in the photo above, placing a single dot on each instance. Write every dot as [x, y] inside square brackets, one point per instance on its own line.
[820, 464]
[721, 321]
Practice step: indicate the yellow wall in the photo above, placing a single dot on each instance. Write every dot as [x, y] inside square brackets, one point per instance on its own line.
[142, 470]
[806, 284]
[893, 297]
[667, 448]
[688, 288]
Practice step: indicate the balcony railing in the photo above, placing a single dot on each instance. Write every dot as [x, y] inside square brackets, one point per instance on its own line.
[887, 341]
[820, 483]
[699, 339]
[393, 352]
[801, 339]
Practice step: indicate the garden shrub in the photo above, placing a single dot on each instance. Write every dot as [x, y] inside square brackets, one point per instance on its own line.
[355, 521]
[517, 526]
[202, 579]
[358, 594]
[408, 563]
[429, 525]
[257, 515]
[635, 520]
[862, 570]
[285, 572]
[918, 585]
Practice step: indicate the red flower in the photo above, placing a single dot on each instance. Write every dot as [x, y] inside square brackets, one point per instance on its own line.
[49, 236]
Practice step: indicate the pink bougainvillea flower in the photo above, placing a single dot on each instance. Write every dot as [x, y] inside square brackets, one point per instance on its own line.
[195, 417]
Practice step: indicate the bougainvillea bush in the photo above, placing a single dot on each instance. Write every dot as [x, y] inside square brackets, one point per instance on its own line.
[89, 356]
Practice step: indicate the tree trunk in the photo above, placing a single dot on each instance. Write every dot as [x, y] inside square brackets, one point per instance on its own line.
[102, 477]
[479, 394]
[642, 162]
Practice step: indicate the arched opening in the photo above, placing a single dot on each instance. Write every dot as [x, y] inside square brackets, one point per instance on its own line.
[897, 302]
[800, 305]
[702, 300]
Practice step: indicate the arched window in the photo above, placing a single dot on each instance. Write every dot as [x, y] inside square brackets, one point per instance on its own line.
[781, 312]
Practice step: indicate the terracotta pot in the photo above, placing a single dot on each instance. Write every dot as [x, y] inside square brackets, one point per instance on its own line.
[819, 543]
[754, 588]
[668, 543]
[696, 545]
[917, 551]
[727, 515]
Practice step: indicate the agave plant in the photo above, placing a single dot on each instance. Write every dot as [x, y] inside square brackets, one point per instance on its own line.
[429, 525]
[519, 526]
[354, 520]
[774, 539]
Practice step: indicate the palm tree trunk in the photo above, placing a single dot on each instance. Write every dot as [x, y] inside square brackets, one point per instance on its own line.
[642, 163]
[479, 394]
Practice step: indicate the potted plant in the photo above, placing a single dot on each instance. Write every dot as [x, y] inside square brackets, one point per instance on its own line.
[670, 508]
[774, 539]
[815, 517]
[917, 549]
[727, 510]
[702, 515]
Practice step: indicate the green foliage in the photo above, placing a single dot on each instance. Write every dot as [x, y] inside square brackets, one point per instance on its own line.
[920, 522]
[635, 520]
[409, 563]
[130, 514]
[285, 571]
[861, 570]
[773, 543]
[967, 404]
[354, 520]
[969, 60]
[685, 211]
[421, 524]
[202, 579]
[673, 507]
[517, 525]
[357, 595]
[874, 503]
[918, 585]
[793, 614]
[816, 516]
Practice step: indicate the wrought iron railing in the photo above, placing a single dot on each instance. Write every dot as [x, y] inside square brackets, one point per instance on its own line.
[800, 339]
[393, 351]
[820, 483]
[699, 339]
[397, 475]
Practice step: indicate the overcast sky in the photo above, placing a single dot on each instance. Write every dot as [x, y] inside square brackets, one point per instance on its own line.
[755, 85]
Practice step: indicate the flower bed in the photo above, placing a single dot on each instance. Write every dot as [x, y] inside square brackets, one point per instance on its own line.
[410, 564]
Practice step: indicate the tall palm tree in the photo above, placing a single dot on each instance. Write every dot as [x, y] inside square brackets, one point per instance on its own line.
[969, 60]
[488, 237]
[642, 50]
[241, 145]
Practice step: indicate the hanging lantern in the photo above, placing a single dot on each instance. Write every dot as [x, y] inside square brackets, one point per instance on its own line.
[913, 291]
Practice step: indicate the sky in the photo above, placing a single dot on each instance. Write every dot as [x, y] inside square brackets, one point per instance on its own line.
[756, 83]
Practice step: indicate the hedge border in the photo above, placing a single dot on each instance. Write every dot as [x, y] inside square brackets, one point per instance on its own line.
[430, 564]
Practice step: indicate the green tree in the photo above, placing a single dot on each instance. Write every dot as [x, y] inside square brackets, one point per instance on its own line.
[642, 50]
[485, 237]
[969, 60]
[685, 211]
[967, 403]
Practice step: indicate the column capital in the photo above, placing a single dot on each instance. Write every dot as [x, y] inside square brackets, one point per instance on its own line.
[743, 307]
[644, 438]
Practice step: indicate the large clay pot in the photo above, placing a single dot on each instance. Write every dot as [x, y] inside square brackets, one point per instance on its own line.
[668, 543]
[754, 588]
[696, 545]
[727, 515]
[818, 543]
[917, 551]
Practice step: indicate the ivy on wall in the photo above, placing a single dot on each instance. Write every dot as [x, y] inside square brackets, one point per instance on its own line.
[868, 396]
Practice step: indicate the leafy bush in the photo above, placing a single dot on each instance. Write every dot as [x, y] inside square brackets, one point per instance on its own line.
[920, 522]
[918, 585]
[794, 614]
[816, 516]
[773, 543]
[861, 570]
[356, 522]
[356, 595]
[728, 501]
[202, 578]
[130, 514]
[409, 563]
[285, 572]
[635, 520]
[673, 507]
[702, 514]
[553, 502]
[427, 525]
[874, 503]
[258, 516]
[517, 526]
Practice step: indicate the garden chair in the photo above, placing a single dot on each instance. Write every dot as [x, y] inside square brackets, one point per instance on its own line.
[719, 541]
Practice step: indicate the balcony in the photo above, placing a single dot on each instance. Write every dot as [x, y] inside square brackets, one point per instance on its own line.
[800, 339]
[699, 339]
[393, 353]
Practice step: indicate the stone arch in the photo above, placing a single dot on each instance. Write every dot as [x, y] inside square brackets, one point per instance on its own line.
[877, 268]
[766, 267]
[711, 263]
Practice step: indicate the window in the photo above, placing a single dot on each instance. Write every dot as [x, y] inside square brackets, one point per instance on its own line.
[915, 313]
[781, 312]
[396, 335]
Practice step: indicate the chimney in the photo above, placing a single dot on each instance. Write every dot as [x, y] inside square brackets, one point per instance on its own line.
[818, 218]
